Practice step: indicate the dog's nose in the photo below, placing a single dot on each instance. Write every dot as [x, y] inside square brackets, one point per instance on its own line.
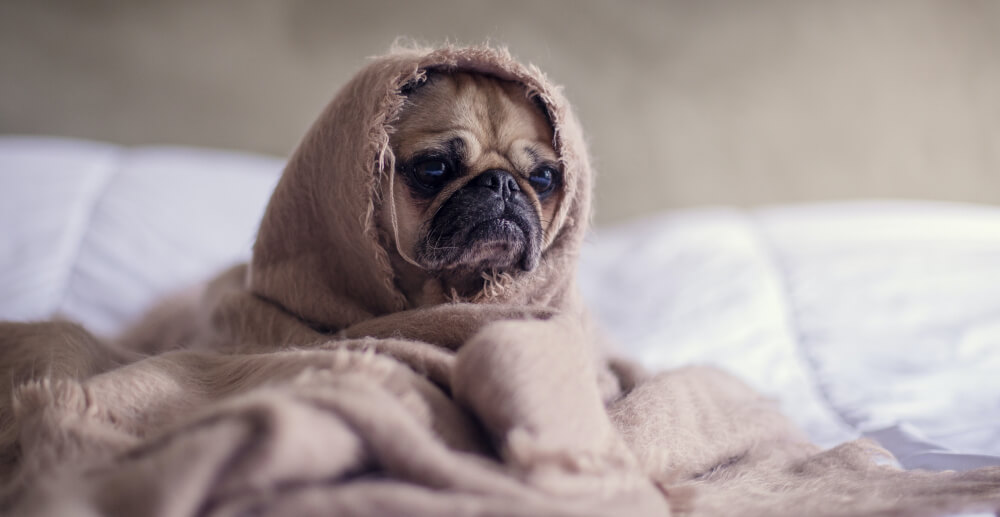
[499, 181]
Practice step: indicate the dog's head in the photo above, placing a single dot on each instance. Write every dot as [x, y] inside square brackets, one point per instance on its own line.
[477, 179]
[434, 175]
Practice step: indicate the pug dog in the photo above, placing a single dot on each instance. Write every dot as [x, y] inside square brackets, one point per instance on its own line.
[476, 184]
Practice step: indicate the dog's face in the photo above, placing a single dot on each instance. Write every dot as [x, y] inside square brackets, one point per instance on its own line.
[477, 178]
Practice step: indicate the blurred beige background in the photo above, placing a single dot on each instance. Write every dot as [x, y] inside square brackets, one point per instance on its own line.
[685, 103]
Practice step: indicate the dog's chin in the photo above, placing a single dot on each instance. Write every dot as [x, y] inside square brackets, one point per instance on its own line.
[500, 244]
[495, 244]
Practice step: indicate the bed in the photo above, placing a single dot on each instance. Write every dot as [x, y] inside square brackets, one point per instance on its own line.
[873, 318]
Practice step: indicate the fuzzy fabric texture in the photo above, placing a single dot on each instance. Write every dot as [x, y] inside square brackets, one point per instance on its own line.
[304, 384]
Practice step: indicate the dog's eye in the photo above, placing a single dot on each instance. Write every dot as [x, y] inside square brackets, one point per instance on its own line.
[431, 174]
[544, 181]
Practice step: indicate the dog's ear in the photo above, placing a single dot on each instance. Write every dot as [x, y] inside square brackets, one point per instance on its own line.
[543, 108]
[412, 85]
[421, 80]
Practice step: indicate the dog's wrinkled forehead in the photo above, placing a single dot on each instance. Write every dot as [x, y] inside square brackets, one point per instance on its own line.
[490, 121]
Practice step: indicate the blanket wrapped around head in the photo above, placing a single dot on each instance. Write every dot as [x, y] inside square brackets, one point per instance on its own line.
[307, 384]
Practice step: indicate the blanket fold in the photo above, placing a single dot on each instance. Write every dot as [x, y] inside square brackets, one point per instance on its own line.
[305, 383]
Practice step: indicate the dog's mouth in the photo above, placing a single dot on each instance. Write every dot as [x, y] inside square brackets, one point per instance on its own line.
[498, 242]
[454, 243]
[499, 231]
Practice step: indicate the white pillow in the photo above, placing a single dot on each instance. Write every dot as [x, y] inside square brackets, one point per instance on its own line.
[96, 232]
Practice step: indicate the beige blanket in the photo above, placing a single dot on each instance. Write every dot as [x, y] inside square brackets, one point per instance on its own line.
[305, 384]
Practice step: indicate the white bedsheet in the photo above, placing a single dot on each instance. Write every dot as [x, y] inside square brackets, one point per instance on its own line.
[876, 318]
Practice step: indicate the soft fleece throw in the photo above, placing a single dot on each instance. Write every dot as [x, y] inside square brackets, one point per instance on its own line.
[305, 384]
